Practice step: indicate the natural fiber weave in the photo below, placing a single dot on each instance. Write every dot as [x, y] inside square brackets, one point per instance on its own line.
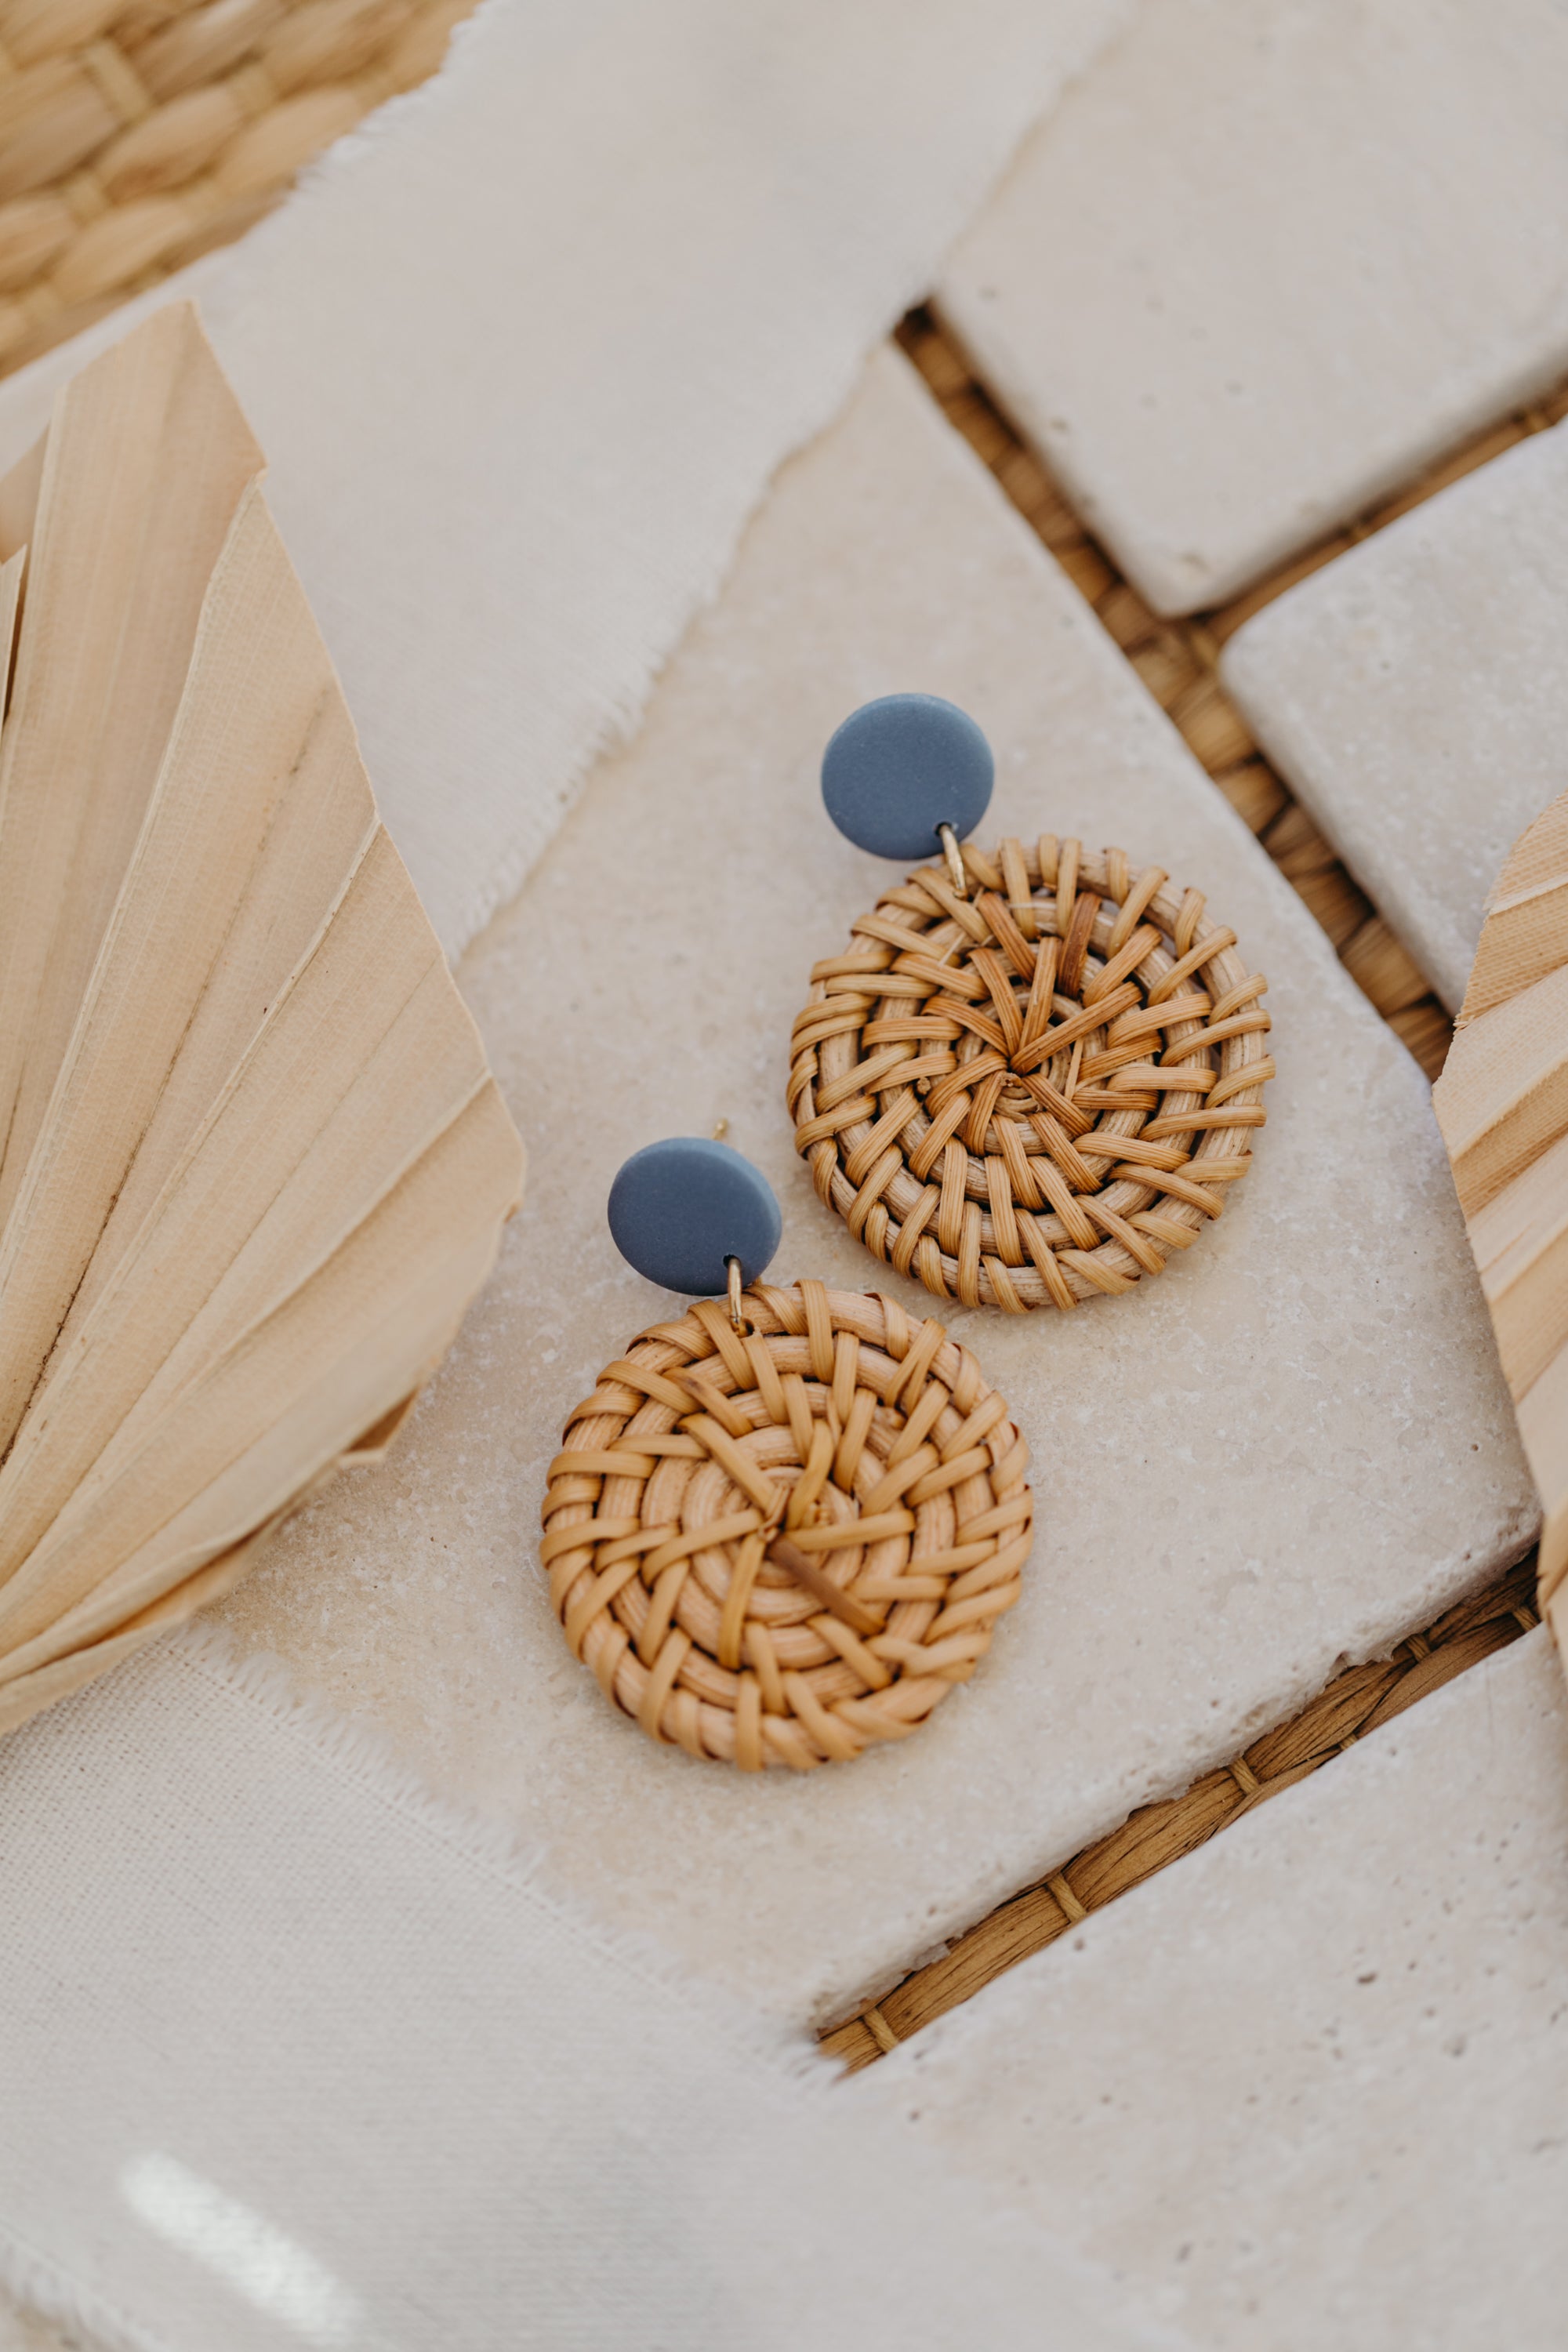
[137, 134]
[866, 1448]
[1031, 1095]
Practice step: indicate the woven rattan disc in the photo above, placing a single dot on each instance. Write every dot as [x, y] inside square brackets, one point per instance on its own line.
[781, 1547]
[1030, 1095]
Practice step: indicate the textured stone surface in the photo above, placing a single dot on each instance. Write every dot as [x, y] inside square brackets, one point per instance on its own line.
[1415, 695]
[1267, 259]
[1307, 2087]
[1291, 1448]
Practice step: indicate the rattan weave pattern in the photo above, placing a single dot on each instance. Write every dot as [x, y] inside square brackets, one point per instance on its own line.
[1031, 1095]
[785, 1546]
[137, 134]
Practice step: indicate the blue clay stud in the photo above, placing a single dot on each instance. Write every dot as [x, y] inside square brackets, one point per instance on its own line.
[900, 767]
[681, 1208]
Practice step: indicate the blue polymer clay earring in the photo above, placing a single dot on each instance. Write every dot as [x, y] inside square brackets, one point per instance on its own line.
[785, 1522]
[1032, 1075]
[907, 775]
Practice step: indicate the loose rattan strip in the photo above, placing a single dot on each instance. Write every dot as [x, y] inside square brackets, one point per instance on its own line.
[1031, 1095]
[784, 1547]
[136, 134]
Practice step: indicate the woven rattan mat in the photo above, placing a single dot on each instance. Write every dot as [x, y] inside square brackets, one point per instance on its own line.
[134, 138]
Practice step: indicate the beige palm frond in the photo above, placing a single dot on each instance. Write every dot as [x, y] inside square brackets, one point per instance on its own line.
[1502, 1104]
[253, 1165]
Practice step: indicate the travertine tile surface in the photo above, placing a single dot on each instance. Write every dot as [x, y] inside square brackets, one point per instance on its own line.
[1292, 1447]
[1308, 2086]
[1415, 695]
[1266, 260]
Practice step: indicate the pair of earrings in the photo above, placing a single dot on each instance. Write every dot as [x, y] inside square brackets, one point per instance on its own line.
[783, 1527]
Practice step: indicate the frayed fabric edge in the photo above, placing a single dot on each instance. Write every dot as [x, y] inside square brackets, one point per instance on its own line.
[491, 1843]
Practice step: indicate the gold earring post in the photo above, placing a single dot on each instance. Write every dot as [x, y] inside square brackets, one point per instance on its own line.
[954, 856]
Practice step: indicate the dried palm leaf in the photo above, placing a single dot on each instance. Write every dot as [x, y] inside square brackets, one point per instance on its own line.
[253, 1166]
[1502, 1104]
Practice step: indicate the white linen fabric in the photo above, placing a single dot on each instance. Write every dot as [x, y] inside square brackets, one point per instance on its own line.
[293, 2057]
[525, 350]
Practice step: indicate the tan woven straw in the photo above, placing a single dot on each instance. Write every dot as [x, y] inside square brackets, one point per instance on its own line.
[1030, 1095]
[782, 1546]
[137, 134]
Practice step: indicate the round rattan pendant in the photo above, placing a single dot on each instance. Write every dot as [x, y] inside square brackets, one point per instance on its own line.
[785, 1543]
[1030, 1093]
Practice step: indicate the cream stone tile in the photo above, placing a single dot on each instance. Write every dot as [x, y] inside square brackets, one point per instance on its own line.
[1266, 260]
[1307, 2087]
[1287, 1451]
[1414, 693]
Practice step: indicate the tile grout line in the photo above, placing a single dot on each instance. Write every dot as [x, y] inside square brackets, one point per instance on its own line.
[1177, 662]
[1356, 1702]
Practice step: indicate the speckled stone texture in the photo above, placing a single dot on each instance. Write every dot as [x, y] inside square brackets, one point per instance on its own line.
[1308, 2086]
[1415, 695]
[1291, 1448]
[1266, 260]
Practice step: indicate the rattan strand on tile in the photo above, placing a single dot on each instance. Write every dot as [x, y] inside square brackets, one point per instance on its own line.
[137, 134]
[1359, 1701]
[1032, 1095]
[836, 1436]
